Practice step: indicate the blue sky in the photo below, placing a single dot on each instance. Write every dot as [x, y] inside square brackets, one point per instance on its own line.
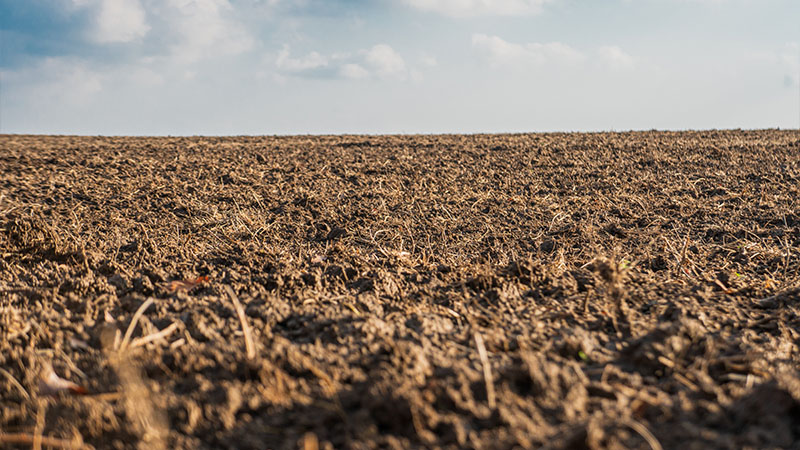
[186, 67]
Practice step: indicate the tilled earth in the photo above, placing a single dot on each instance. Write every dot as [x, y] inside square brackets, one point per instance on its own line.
[610, 290]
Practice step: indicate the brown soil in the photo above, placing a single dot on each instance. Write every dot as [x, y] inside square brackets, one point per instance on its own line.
[614, 290]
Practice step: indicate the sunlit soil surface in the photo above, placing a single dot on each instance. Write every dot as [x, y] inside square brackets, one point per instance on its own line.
[613, 290]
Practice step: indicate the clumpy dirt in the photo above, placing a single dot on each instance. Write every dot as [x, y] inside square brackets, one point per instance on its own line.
[609, 290]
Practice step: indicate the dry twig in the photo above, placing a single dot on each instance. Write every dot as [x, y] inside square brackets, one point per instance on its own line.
[47, 441]
[683, 255]
[134, 321]
[248, 336]
[487, 370]
[154, 336]
[15, 383]
[37, 432]
[645, 433]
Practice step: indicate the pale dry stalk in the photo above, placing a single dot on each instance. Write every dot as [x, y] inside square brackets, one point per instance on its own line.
[248, 336]
[645, 433]
[124, 344]
[47, 441]
[138, 342]
[487, 371]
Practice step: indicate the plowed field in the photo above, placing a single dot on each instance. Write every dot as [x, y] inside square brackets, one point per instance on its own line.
[608, 290]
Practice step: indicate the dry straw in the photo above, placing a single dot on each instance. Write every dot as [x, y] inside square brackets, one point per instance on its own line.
[46, 441]
[248, 336]
[487, 370]
[133, 323]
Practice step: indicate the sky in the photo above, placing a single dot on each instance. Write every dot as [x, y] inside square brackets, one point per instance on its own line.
[266, 67]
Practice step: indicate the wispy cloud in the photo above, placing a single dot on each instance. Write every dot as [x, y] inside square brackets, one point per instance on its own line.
[353, 71]
[119, 21]
[311, 62]
[183, 30]
[615, 57]
[203, 28]
[428, 60]
[500, 52]
[380, 61]
[473, 8]
[385, 62]
[57, 81]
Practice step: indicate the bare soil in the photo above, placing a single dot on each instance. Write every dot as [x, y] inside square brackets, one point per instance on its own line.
[609, 290]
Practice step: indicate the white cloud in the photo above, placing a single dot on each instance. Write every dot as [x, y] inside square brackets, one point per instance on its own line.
[380, 61]
[57, 81]
[428, 60]
[312, 61]
[708, 2]
[190, 30]
[473, 8]
[119, 21]
[615, 57]
[202, 28]
[353, 71]
[385, 62]
[500, 52]
[144, 76]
